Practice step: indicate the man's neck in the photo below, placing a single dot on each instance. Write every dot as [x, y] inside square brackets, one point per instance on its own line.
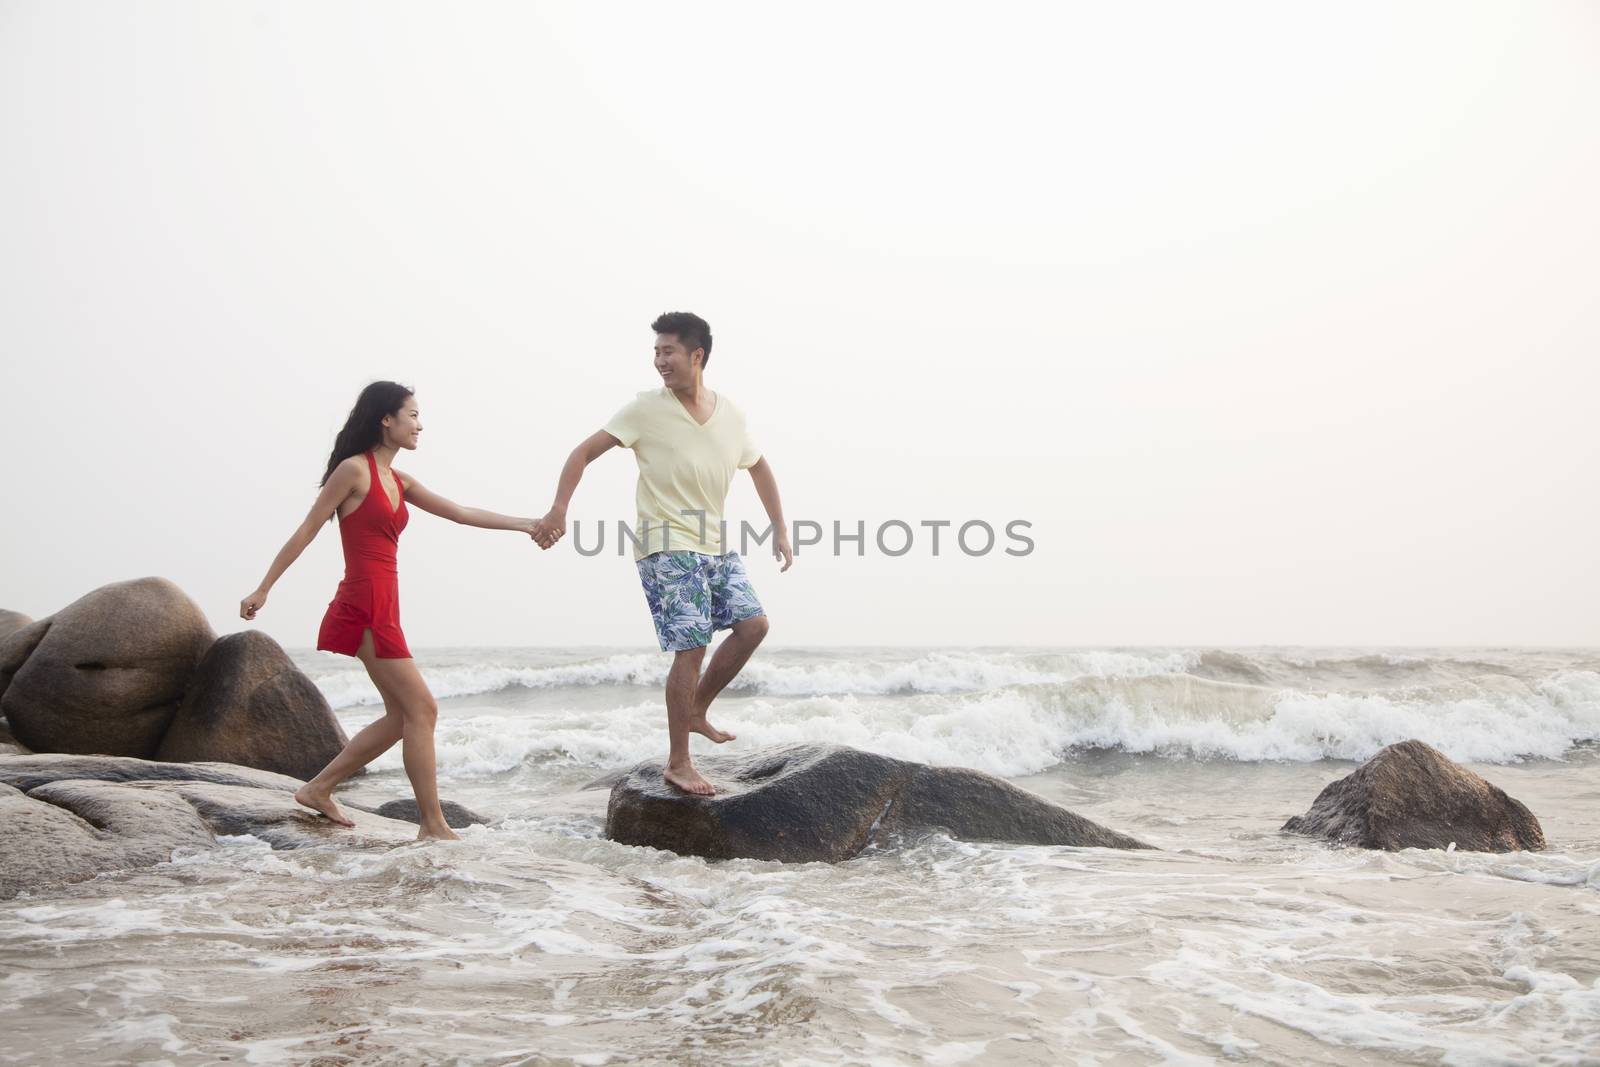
[692, 393]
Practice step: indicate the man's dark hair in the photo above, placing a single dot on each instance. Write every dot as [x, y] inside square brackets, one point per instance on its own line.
[690, 329]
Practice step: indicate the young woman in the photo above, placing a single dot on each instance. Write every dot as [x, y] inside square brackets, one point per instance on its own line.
[370, 498]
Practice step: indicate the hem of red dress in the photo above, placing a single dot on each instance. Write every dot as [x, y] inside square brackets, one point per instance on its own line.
[405, 653]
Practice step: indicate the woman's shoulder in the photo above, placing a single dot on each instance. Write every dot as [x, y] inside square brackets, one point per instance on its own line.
[353, 466]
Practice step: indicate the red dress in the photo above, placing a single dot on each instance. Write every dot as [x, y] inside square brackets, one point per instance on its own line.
[369, 596]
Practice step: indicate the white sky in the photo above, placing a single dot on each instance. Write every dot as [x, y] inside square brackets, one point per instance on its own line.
[1279, 323]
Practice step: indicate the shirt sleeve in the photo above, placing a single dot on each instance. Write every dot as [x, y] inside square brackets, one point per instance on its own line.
[749, 451]
[625, 424]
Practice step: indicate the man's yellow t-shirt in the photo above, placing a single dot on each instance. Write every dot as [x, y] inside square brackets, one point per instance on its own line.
[684, 469]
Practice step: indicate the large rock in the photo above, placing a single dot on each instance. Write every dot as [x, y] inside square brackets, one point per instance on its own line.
[72, 830]
[105, 674]
[36, 769]
[275, 818]
[1411, 795]
[64, 818]
[12, 621]
[803, 802]
[29, 772]
[8, 744]
[249, 704]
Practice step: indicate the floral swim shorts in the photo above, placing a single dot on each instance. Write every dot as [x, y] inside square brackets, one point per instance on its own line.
[692, 595]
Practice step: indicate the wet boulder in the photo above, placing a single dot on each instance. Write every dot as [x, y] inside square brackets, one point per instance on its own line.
[248, 704]
[804, 802]
[1410, 795]
[405, 809]
[71, 830]
[106, 673]
[64, 818]
[274, 817]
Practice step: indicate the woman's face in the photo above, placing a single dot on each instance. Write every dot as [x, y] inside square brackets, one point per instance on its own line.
[402, 429]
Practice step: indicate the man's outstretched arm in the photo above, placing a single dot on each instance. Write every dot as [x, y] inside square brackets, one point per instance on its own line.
[767, 490]
[548, 530]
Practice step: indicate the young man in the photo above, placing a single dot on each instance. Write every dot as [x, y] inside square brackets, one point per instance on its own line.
[688, 442]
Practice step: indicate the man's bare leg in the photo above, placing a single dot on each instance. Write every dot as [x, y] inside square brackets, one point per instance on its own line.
[681, 682]
[726, 663]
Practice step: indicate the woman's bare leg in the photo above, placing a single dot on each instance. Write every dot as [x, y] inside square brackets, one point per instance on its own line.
[419, 712]
[373, 741]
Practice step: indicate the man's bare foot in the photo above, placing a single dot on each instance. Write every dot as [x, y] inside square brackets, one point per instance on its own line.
[699, 725]
[442, 833]
[322, 802]
[688, 779]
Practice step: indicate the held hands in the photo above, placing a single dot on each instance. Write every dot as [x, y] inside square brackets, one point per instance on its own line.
[252, 604]
[548, 530]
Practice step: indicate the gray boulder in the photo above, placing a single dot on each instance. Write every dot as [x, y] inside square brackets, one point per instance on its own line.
[805, 802]
[29, 772]
[249, 704]
[275, 818]
[64, 818]
[8, 744]
[105, 674]
[12, 621]
[1410, 795]
[72, 830]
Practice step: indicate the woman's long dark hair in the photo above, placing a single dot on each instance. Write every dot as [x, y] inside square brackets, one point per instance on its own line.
[363, 430]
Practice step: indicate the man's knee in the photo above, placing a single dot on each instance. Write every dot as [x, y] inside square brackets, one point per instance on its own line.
[752, 629]
[688, 658]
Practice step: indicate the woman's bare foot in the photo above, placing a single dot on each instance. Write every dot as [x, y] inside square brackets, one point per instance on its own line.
[322, 802]
[688, 779]
[699, 725]
[437, 833]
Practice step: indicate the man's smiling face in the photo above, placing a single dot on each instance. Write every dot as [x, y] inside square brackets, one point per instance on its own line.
[673, 362]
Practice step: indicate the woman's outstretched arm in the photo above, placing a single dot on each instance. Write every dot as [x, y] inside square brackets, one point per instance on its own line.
[434, 504]
[344, 481]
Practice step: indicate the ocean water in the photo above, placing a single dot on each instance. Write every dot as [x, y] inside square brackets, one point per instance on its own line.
[537, 941]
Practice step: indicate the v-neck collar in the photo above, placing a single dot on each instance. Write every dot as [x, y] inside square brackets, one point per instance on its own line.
[399, 490]
[716, 406]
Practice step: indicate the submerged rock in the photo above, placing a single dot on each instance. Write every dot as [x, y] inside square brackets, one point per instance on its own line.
[105, 673]
[455, 815]
[1410, 795]
[805, 802]
[249, 704]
